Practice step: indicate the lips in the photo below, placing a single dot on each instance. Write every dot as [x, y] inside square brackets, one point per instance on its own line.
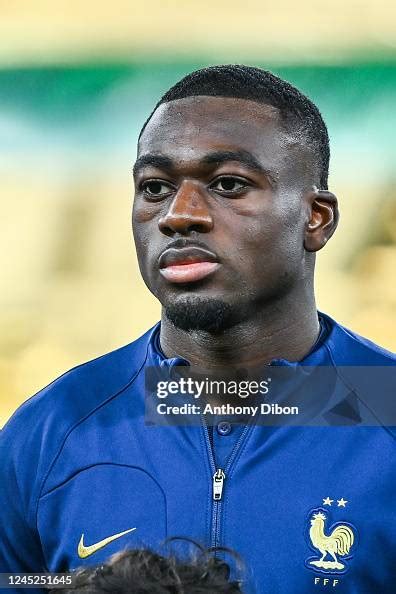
[185, 265]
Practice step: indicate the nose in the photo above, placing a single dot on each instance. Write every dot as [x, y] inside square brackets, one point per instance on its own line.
[187, 212]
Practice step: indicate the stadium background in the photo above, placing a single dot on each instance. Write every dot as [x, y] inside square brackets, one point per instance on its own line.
[77, 80]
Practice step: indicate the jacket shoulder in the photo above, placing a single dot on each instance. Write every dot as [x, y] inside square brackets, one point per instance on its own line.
[82, 388]
[32, 437]
[349, 348]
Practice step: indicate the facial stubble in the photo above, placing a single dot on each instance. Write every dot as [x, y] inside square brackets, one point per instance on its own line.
[205, 314]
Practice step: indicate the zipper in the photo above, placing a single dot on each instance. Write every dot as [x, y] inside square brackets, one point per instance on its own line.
[218, 483]
[219, 478]
[215, 502]
[217, 492]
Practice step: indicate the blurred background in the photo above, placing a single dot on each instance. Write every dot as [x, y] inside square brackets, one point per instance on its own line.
[78, 79]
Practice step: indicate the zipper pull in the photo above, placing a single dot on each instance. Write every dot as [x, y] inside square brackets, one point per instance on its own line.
[218, 482]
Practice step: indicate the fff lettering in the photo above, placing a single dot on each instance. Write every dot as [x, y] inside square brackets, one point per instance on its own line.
[332, 582]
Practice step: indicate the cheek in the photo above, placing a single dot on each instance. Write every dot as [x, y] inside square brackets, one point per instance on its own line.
[285, 223]
[276, 225]
[266, 242]
[144, 212]
[144, 220]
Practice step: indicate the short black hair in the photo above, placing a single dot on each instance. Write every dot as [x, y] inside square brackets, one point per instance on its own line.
[141, 571]
[298, 113]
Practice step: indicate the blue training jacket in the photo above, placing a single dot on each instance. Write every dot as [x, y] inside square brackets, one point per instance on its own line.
[309, 509]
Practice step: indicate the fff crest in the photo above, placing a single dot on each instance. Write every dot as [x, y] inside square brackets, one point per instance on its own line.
[333, 543]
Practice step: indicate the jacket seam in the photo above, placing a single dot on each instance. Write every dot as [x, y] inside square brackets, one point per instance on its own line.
[71, 429]
[383, 353]
[353, 389]
[84, 468]
[69, 371]
[111, 464]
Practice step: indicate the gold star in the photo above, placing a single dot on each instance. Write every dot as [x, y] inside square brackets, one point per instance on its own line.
[342, 502]
[327, 501]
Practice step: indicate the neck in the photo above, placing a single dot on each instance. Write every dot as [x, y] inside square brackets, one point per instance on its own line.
[286, 330]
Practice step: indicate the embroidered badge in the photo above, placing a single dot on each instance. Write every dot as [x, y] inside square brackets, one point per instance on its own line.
[334, 542]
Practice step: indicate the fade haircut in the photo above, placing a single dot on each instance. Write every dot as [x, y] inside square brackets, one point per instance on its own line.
[298, 114]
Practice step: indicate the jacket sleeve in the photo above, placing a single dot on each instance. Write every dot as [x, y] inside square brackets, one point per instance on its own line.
[20, 549]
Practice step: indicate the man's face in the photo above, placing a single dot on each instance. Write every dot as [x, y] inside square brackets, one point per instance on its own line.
[219, 213]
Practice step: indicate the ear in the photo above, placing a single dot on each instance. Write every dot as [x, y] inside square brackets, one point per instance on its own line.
[323, 219]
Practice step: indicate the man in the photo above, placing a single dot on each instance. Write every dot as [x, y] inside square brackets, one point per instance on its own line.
[231, 207]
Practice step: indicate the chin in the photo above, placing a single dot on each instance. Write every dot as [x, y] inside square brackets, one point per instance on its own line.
[207, 314]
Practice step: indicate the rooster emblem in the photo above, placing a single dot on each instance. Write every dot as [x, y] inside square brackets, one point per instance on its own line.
[339, 542]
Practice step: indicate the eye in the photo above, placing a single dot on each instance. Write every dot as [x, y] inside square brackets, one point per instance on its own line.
[229, 184]
[156, 188]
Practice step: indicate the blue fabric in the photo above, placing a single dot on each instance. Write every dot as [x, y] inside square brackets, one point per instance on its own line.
[77, 459]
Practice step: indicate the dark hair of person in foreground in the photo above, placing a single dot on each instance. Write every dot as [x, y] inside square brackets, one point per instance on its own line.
[146, 572]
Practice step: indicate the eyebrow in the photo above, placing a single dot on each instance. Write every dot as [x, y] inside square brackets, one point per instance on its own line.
[216, 157]
[159, 161]
[243, 157]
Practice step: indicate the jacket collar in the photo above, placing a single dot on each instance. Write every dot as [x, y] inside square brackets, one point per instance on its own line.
[318, 355]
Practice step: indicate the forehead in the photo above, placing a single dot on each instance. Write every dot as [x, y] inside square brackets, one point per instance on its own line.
[190, 127]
